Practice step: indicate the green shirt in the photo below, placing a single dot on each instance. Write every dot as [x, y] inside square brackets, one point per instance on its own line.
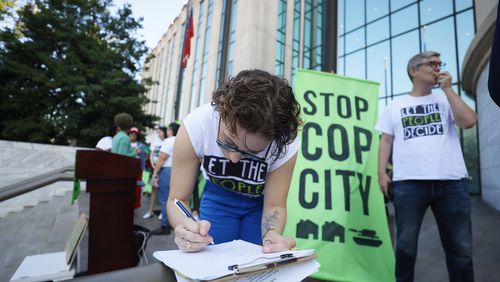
[121, 145]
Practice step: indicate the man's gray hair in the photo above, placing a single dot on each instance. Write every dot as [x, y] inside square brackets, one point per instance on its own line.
[415, 60]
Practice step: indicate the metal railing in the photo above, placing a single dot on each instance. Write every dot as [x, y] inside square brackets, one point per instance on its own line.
[27, 185]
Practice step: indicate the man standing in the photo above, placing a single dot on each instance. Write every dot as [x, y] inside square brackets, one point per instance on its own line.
[428, 166]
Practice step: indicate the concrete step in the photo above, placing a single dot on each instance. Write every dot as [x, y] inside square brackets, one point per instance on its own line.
[63, 225]
[43, 228]
[34, 197]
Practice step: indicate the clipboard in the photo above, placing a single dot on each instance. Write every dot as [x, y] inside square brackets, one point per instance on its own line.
[242, 271]
[232, 260]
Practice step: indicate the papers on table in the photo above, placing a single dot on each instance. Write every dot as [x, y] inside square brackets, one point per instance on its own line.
[214, 262]
[44, 267]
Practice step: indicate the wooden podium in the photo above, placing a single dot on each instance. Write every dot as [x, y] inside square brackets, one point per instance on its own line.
[111, 182]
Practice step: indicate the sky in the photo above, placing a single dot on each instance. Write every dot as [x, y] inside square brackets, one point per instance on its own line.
[157, 16]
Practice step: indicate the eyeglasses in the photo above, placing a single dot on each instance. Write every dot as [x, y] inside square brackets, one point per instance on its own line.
[433, 64]
[232, 148]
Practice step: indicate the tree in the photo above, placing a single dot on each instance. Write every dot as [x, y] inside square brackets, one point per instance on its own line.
[66, 69]
[5, 6]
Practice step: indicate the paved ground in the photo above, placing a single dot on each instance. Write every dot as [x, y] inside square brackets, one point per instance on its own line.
[431, 265]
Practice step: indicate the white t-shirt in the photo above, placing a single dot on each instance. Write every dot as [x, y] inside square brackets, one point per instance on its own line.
[245, 177]
[155, 149]
[426, 144]
[167, 147]
[105, 143]
[134, 145]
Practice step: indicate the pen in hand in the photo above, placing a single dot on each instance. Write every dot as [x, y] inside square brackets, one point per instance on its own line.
[183, 209]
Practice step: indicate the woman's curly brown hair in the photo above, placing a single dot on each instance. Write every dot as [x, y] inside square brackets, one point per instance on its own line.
[261, 103]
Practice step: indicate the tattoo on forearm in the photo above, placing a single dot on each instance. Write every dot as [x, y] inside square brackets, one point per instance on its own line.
[269, 221]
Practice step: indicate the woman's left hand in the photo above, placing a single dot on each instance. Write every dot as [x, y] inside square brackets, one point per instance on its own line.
[273, 242]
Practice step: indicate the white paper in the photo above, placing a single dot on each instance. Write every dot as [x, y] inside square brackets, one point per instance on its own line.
[298, 272]
[43, 267]
[212, 262]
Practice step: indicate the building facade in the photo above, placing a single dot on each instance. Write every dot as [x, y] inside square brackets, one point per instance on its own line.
[475, 81]
[359, 38]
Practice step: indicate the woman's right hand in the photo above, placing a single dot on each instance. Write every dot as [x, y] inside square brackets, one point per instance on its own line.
[192, 236]
[155, 182]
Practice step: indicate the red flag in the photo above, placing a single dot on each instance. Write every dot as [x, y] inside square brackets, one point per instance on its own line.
[186, 50]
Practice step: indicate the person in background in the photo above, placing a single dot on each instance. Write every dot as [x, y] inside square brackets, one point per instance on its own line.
[105, 143]
[121, 142]
[153, 157]
[247, 142]
[142, 151]
[140, 148]
[428, 167]
[161, 172]
[121, 145]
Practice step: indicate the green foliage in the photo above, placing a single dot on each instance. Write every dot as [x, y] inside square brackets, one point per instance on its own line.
[66, 69]
[5, 6]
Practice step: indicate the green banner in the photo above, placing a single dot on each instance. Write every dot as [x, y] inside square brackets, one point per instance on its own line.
[334, 204]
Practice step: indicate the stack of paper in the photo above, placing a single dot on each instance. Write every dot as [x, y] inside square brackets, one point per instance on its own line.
[44, 267]
[214, 262]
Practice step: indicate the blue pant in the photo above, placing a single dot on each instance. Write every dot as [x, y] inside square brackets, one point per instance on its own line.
[450, 204]
[232, 216]
[163, 190]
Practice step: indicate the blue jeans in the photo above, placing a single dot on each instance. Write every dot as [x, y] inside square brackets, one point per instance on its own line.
[450, 204]
[232, 216]
[163, 190]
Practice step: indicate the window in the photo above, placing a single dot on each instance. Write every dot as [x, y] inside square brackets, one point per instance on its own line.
[403, 48]
[355, 40]
[431, 10]
[355, 11]
[280, 39]
[232, 33]
[341, 18]
[376, 9]
[404, 20]
[221, 43]
[170, 53]
[340, 66]
[377, 31]
[296, 37]
[379, 67]
[193, 99]
[355, 65]
[398, 4]
[313, 31]
[465, 33]
[462, 4]
[204, 58]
